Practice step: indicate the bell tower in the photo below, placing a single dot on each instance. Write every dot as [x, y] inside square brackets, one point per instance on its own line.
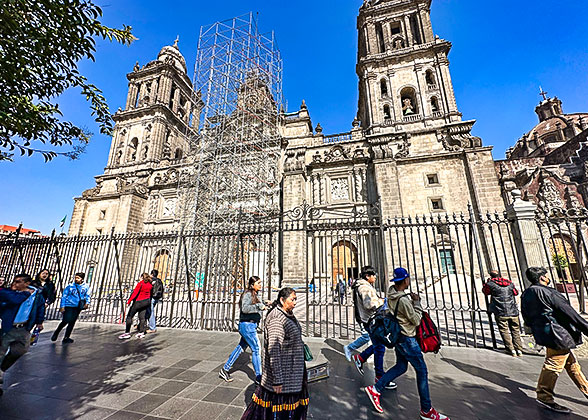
[403, 70]
[160, 115]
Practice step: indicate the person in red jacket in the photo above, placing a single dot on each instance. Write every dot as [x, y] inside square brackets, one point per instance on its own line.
[141, 300]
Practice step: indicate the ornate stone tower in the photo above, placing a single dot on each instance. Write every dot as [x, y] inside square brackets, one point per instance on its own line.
[403, 70]
[139, 188]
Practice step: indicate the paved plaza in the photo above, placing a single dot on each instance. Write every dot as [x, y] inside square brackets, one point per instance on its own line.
[173, 374]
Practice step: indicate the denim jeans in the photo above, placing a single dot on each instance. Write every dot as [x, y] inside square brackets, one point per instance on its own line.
[378, 350]
[248, 331]
[409, 351]
[360, 341]
[152, 325]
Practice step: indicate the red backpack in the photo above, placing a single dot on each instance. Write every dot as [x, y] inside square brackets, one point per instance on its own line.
[427, 335]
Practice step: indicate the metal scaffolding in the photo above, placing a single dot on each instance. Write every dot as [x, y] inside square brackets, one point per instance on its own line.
[237, 151]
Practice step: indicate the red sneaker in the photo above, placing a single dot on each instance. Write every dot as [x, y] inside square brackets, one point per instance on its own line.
[433, 415]
[374, 398]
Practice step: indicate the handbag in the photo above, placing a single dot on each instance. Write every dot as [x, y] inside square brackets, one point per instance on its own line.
[308, 357]
[82, 302]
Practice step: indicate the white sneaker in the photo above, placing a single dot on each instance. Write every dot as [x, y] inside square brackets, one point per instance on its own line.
[124, 336]
[140, 335]
[347, 353]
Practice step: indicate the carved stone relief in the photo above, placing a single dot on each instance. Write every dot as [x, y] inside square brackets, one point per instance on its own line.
[339, 189]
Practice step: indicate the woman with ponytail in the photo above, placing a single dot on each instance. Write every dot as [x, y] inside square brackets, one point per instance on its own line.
[283, 392]
[251, 310]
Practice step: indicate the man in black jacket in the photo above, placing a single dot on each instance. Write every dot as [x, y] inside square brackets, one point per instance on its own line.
[558, 327]
[157, 295]
[504, 307]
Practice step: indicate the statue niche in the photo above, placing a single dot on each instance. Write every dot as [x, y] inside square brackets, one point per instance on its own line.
[409, 102]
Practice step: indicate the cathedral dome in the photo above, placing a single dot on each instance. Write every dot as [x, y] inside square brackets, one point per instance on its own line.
[172, 54]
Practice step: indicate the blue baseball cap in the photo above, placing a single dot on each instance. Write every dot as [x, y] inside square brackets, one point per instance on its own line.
[400, 274]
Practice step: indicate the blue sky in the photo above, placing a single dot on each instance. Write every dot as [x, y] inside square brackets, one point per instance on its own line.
[502, 52]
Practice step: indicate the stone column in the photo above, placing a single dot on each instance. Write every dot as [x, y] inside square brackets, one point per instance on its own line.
[409, 37]
[176, 102]
[131, 96]
[525, 233]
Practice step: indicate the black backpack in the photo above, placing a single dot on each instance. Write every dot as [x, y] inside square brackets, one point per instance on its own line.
[384, 327]
[157, 289]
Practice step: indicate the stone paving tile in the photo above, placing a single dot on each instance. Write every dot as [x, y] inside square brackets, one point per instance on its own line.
[174, 408]
[126, 415]
[222, 394]
[170, 388]
[147, 403]
[204, 411]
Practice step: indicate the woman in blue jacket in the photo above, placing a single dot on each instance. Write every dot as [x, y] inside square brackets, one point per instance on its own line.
[76, 297]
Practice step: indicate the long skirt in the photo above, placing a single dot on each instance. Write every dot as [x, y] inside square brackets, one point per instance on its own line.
[267, 405]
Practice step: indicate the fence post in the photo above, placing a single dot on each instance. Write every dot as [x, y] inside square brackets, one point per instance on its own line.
[176, 272]
[103, 275]
[525, 233]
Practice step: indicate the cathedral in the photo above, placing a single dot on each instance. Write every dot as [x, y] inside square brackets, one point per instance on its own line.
[408, 150]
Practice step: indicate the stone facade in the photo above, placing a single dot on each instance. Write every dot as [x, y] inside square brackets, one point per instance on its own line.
[549, 164]
[408, 151]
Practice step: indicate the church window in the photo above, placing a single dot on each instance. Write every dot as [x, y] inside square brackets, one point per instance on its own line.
[179, 154]
[434, 104]
[416, 31]
[430, 78]
[171, 97]
[436, 204]
[136, 100]
[409, 102]
[395, 28]
[380, 38]
[383, 87]
[387, 114]
[432, 179]
[102, 214]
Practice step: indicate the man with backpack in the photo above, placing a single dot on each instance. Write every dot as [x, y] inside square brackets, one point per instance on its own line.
[504, 307]
[155, 298]
[558, 327]
[366, 303]
[408, 311]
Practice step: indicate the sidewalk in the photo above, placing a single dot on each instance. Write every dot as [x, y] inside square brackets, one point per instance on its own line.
[173, 374]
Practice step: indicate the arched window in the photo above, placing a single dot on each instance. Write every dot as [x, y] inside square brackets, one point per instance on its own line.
[430, 78]
[179, 153]
[434, 104]
[119, 156]
[387, 114]
[409, 102]
[383, 87]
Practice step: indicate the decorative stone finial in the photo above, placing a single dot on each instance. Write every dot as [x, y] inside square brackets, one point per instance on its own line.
[176, 42]
[136, 68]
[355, 123]
[318, 128]
[303, 105]
[516, 195]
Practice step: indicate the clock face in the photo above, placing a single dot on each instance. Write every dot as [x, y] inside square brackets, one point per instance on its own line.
[169, 207]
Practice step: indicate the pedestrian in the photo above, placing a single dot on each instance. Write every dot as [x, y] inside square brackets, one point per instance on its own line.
[156, 297]
[408, 310]
[364, 338]
[368, 302]
[75, 298]
[22, 307]
[558, 327]
[44, 283]
[141, 302]
[283, 392]
[504, 307]
[341, 290]
[250, 316]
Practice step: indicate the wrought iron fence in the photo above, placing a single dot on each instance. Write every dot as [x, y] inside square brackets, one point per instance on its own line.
[320, 252]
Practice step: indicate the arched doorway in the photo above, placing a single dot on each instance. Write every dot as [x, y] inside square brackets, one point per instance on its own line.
[564, 259]
[162, 263]
[344, 261]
